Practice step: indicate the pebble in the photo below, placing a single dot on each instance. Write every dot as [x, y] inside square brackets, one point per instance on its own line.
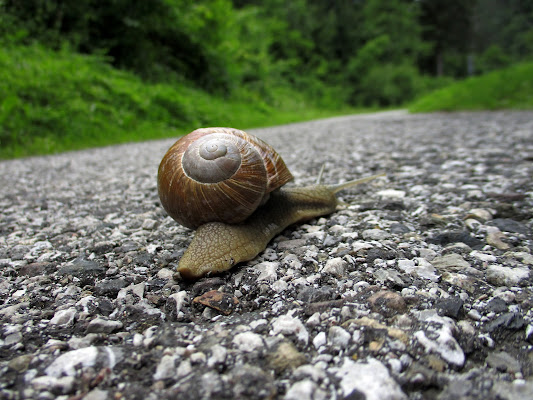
[439, 339]
[89, 357]
[375, 234]
[101, 325]
[63, 317]
[289, 325]
[96, 394]
[497, 240]
[369, 380]
[419, 267]
[319, 340]
[335, 266]
[166, 367]
[305, 390]
[450, 262]
[391, 194]
[338, 337]
[505, 276]
[387, 303]
[267, 271]
[503, 362]
[248, 341]
[286, 357]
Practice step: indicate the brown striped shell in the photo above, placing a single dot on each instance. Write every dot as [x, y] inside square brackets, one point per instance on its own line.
[218, 174]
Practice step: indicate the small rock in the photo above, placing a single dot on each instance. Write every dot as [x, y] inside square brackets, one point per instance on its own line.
[223, 302]
[166, 367]
[110, 287]
[420, 267]
[285, 357]
[440, 339]
[335, 266]
[289, 325]
[497, 305]
[103, 247]
[100, 325]
[338, 337]
[291, 244]
[375, 234]
[391, 194]
[510, 225]
[88, 357]
[267, 271]
[497, 239]
[451, 262]
[149, 224]
[248, 341]
[312, 295]
[36, 269]
[507, 321]
[503, 362]
[319, 340]
[480, 214]
[96, 394]
[305, 390]
[218, 356]
[85, 270]
[387, 303]
[505, 276]
[20, 363]
[370, 381]
[451, 307]
[483, 256]
[64, 317]
[465, 237]
[312, 372]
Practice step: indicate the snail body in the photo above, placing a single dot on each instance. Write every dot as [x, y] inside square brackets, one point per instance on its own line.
[241, 206]
[216, 246]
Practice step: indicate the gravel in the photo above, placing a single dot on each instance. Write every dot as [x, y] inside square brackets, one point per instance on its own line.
[419, 287]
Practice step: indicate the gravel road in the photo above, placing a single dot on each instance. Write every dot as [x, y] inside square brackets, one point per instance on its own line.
[419, 288]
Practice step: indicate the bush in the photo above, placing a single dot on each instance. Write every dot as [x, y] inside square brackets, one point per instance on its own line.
[387, 85]
[507, 88]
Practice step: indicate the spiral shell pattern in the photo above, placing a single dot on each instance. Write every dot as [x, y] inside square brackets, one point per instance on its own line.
[218, 174]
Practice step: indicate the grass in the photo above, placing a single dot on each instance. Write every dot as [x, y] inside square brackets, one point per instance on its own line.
[510, 88]
[58, 101]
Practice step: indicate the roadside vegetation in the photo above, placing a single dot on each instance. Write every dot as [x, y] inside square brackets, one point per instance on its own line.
[82, 74]
[506, 88]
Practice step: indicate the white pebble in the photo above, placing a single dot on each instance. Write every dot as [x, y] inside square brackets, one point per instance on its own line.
[319, 340]
[338, 337]
[248, 341]
[287, 325]
[63, 317]
[371, 378]
[335, 266]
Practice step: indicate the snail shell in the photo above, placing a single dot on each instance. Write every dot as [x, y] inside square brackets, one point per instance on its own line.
[218, 175]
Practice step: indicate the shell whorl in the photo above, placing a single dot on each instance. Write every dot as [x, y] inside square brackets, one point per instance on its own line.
[218, 174]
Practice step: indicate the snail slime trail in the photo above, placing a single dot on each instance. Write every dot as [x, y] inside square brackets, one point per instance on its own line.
[201, 188]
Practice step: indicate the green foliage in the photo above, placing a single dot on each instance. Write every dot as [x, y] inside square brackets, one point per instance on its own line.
[151, 68]
[55, 101]
[508, 88]
[491, 59]
[390, 84]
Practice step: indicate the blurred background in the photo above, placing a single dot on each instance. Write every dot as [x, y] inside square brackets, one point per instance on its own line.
[75, 74]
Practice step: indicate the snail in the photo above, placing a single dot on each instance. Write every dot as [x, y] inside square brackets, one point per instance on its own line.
[227, 184]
